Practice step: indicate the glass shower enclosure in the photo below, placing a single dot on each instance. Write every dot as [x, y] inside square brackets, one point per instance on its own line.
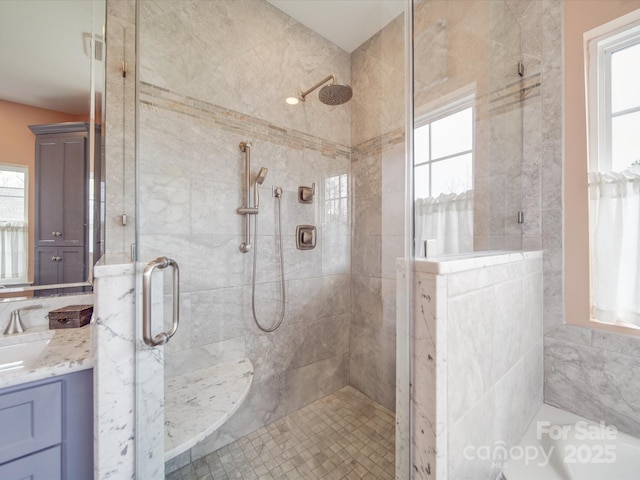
[212, 75]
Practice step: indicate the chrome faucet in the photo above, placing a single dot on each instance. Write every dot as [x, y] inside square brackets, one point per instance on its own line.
[15, 323]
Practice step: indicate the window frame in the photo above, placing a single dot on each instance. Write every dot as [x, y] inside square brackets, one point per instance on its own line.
[599, 46]
[8, 167]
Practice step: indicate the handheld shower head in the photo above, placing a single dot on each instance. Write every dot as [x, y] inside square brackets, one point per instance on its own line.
[262, 174]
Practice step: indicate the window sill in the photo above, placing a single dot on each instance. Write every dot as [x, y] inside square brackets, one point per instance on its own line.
[618, 327]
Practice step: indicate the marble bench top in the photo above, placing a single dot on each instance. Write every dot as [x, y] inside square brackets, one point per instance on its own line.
[199, 402]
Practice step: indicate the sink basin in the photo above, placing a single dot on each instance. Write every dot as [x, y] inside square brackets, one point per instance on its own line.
[22, 350]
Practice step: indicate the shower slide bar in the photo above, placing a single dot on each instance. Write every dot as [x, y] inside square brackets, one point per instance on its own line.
[162, 337]
[246, 209]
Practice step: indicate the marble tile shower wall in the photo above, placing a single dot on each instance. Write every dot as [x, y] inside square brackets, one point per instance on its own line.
[214, 74]
[377, 136]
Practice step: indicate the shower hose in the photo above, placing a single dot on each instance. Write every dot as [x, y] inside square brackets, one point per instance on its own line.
[253, 279]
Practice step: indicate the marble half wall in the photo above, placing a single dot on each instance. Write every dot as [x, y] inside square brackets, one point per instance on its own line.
[478, 373]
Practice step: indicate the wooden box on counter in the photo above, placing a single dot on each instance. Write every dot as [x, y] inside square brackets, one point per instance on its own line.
[72, 316]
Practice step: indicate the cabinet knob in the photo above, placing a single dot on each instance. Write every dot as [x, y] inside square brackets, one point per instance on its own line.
[56, 234]
[56, 259]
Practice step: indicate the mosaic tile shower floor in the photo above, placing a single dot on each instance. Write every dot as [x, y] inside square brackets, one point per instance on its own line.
[345, 436]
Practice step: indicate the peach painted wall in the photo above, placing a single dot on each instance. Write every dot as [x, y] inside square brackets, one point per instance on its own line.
[17, 145]
[580, 16]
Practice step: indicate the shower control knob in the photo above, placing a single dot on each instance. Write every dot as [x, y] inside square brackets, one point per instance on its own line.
[306, 237]
[305, 194]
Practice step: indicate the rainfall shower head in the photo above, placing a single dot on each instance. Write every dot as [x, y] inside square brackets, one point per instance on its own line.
[335, 94]
[262, 174]
[332, 94]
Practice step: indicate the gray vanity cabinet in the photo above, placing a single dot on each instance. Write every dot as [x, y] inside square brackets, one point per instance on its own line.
[47, 429]
[61, 187]
[62, 211]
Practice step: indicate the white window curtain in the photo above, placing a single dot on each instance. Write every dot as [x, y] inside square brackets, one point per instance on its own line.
[447, 218]
[615, 246]
[13, 252]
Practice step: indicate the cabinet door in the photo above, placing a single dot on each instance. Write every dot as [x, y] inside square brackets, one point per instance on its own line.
[30, 419]
[61, 186]
[46, 266]
[74, 192]
[72, 267]
[77, 421]
[45, 465]
[49, 175]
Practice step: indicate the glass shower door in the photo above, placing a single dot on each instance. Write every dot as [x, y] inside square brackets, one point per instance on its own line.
[471, 91]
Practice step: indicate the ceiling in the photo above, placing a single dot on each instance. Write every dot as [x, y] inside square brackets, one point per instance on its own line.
[346, 23]
[44, 59]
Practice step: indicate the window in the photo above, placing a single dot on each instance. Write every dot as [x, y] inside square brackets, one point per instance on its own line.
[335, 204]
[13, 224]
[614, 100]
[443, 179]
[613, 92]
[444, 153]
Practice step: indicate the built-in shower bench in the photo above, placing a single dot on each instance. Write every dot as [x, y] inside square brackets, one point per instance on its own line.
[198, 403]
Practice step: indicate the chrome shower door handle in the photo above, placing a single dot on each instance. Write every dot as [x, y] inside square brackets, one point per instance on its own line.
[162, 337]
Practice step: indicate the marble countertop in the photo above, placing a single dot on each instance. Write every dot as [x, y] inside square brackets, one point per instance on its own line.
[67, 351]
[198, 403]
[458, 262]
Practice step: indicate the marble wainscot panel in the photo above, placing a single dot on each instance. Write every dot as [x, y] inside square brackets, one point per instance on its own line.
[117, 417]
[593, 373]
[477, 344]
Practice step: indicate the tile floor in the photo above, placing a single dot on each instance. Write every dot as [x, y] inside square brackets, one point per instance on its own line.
[345, 436]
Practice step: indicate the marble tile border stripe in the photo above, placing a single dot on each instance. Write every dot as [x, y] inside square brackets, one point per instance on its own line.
[515, 94]
[215, 116]
[377, 145]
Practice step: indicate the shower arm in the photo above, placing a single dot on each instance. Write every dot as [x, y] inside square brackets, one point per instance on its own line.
[304, 94]
[247, 210]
